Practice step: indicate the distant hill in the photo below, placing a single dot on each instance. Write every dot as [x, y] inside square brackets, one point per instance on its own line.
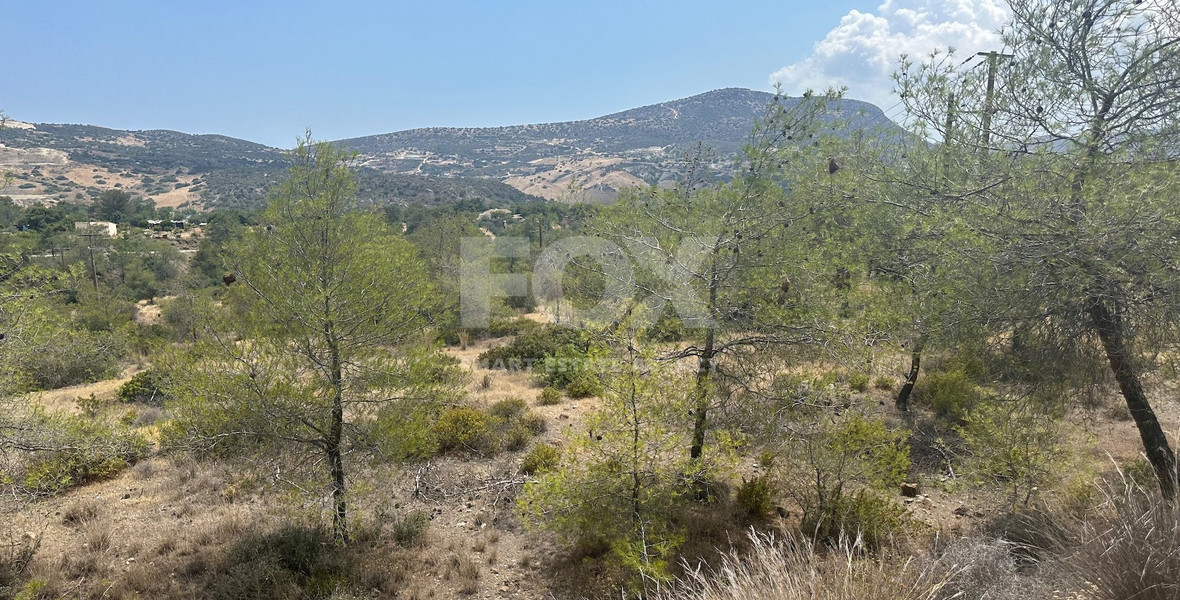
[53, 162]
[586, 160]
[598, 156]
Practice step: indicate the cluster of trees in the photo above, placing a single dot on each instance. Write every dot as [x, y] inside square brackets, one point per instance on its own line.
[1014, 239]
[115, 206]
[1028, 234]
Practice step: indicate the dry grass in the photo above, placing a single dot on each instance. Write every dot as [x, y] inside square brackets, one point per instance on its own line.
[81, 512]
[1130, 550]
[793, 569]
[98, 536]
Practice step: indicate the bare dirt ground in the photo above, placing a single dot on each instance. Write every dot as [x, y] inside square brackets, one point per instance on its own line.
[140, 533]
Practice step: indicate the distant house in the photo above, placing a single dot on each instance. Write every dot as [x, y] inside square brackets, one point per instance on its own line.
[96, 228]
[179, 223]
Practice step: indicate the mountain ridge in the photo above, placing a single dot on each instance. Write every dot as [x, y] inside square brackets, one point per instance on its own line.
[637, 146]
[582, 160]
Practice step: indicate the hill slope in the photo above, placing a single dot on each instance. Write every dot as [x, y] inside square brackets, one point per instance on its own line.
[634, 147]
[587, 160]
[52, 162]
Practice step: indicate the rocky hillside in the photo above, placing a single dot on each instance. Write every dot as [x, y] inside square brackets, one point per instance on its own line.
[586, 160]
[50, 163]
[595, 157]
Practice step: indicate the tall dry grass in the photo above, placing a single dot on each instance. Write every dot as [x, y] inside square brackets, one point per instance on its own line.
[1127, 550]
[794, 569]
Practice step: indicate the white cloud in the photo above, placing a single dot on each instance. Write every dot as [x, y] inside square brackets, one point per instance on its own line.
[863, 50]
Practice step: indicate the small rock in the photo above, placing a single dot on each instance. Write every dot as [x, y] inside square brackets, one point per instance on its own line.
[909, 489]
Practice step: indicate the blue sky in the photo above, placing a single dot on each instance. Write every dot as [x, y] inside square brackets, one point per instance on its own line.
[266, 70]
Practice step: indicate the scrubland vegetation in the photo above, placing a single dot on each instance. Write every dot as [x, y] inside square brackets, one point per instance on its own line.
[934, 366]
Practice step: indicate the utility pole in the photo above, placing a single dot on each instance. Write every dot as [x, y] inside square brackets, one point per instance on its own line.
[90, 248]
[993, 59]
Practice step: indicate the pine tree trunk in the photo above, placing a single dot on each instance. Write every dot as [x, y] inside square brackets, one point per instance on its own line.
[335, 441]
[701, 410]
[903, 395]
[1110, 329]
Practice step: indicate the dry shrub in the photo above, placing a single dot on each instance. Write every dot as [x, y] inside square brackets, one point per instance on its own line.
[1129, 550]
[81, 511]
[985, 569]
[794, 569]
[98, 536]
[15, 558]
[465, 571]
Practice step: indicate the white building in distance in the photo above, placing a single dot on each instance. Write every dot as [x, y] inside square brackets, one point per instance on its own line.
[96, 228]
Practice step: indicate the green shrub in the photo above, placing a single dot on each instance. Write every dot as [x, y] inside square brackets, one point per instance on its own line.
[89, 451]
[864, 516]
[59, 358]
[667, 328]
[569, 367]
[951, 394]
[533, 422]
[466, 430]
[516, 438]
[883, 382]
[61, 471]
[1016, 445]
[508, 409]
[836, 456]
[144, 387]
[498, 328]
[409, 530]
[584, 386]
[534, 345]
[542, 458]
[755, 497]
[549, 396]
[293, 562]
[858, 382]
[404, 430]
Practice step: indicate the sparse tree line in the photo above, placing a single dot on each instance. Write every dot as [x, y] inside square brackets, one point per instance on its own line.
[1010, 262]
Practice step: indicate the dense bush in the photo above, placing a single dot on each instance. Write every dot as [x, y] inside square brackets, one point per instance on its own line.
[292, 562]
[507, 409]
[755, 497]
[542, 458]
[667, 328]
[466, 430]
[865, 517]
[497, 328]
[951, 394]
[508, 425]
[144, 387]
[836, 465]
[79, 451]
[534, 345]
[62, 357]
[549, 396]
[585, 385]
